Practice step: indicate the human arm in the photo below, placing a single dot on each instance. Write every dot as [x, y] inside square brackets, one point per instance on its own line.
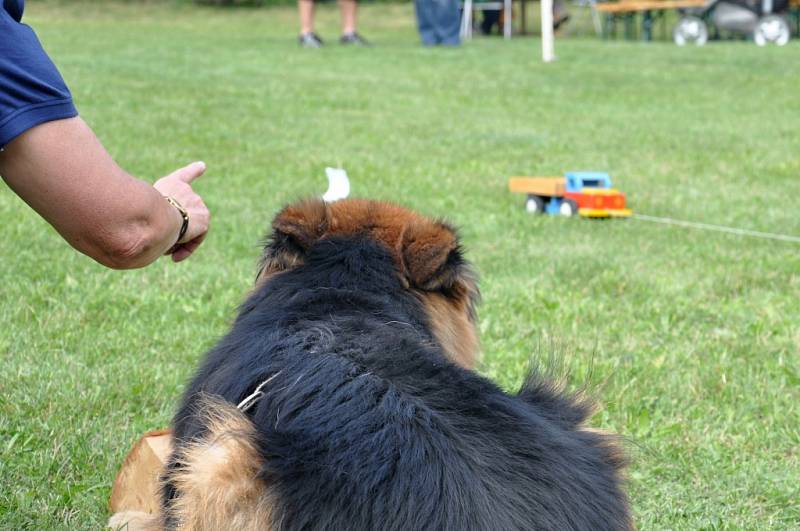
[63, 172]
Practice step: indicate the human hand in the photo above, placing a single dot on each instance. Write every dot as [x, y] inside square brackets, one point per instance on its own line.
[178, 186]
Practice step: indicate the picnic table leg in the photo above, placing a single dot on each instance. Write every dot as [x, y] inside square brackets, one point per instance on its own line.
[630, 26]
[609, 26]
[796, 14]
[647, 26]
[598, 26]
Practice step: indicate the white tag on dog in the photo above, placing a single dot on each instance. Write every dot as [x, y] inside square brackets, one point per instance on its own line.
[338, 185]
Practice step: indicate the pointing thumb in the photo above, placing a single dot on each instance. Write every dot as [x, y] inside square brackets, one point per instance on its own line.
[191, 172]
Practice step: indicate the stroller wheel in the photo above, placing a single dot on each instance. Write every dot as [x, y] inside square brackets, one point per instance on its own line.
[690, 30]
[771, 29]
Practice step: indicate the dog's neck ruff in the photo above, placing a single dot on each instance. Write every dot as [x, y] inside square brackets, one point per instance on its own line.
[253, 398]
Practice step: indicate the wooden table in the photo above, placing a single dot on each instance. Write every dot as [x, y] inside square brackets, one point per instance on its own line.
[624, 6]
[627, 10]
[628, 6]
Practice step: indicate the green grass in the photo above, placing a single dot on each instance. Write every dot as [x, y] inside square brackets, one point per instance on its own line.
[691, 339]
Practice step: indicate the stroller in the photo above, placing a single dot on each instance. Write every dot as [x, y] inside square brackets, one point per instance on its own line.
[765, 21]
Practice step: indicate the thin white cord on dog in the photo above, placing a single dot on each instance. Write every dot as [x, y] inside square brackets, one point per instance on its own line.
[256, 395]
[720, 228]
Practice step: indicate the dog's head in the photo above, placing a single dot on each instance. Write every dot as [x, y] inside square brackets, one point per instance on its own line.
[427, 256]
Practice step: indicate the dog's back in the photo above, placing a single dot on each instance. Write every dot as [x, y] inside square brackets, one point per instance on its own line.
[367, 417]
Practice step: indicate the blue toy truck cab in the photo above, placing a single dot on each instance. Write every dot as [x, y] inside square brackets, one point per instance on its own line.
[578, 180]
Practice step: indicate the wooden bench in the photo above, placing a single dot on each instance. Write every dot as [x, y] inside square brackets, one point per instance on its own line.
[630, 6]
[794, 15]
[627, 11]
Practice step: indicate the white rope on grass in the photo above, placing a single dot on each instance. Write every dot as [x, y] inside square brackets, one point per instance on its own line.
[719, 228]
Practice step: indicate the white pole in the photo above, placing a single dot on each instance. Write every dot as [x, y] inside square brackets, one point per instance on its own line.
[548, 47]
[507, 19]
[466, 21]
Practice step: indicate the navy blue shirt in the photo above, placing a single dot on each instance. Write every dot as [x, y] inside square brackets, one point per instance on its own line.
[31, 89]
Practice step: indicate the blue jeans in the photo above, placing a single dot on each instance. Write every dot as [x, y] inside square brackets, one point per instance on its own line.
[439, 21]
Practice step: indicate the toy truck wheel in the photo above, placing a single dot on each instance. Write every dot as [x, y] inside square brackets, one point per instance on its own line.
[568, 207]
[534, 204]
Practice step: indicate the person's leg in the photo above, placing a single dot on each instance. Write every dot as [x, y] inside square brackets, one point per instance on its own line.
[307, 39]
[349, 10]
[425, 22]
[491, 17]
[449, 21]
[560, 15]
[306, 8]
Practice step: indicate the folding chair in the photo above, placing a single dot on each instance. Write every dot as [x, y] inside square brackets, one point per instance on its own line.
[470, 6]
[592, 5]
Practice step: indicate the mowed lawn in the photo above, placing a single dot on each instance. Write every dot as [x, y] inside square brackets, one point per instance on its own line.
[690, 339]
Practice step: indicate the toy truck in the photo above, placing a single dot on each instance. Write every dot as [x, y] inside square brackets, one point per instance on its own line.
[587, 194]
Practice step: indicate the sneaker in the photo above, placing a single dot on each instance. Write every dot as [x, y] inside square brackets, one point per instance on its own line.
[354, 38]
[310, 40]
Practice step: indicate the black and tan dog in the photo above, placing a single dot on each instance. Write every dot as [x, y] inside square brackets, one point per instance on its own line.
[351, 365]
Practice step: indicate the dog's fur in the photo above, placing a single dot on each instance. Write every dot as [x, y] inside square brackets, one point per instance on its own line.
[363, 324]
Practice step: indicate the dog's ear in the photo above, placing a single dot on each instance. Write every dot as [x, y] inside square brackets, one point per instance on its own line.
[433, 263]
[431, 255]
[294, 230]
[302, 224]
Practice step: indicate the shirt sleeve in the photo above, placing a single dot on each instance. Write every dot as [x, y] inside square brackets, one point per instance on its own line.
[31, 89]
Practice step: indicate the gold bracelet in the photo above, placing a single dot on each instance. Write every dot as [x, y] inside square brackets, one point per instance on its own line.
[185, 215]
